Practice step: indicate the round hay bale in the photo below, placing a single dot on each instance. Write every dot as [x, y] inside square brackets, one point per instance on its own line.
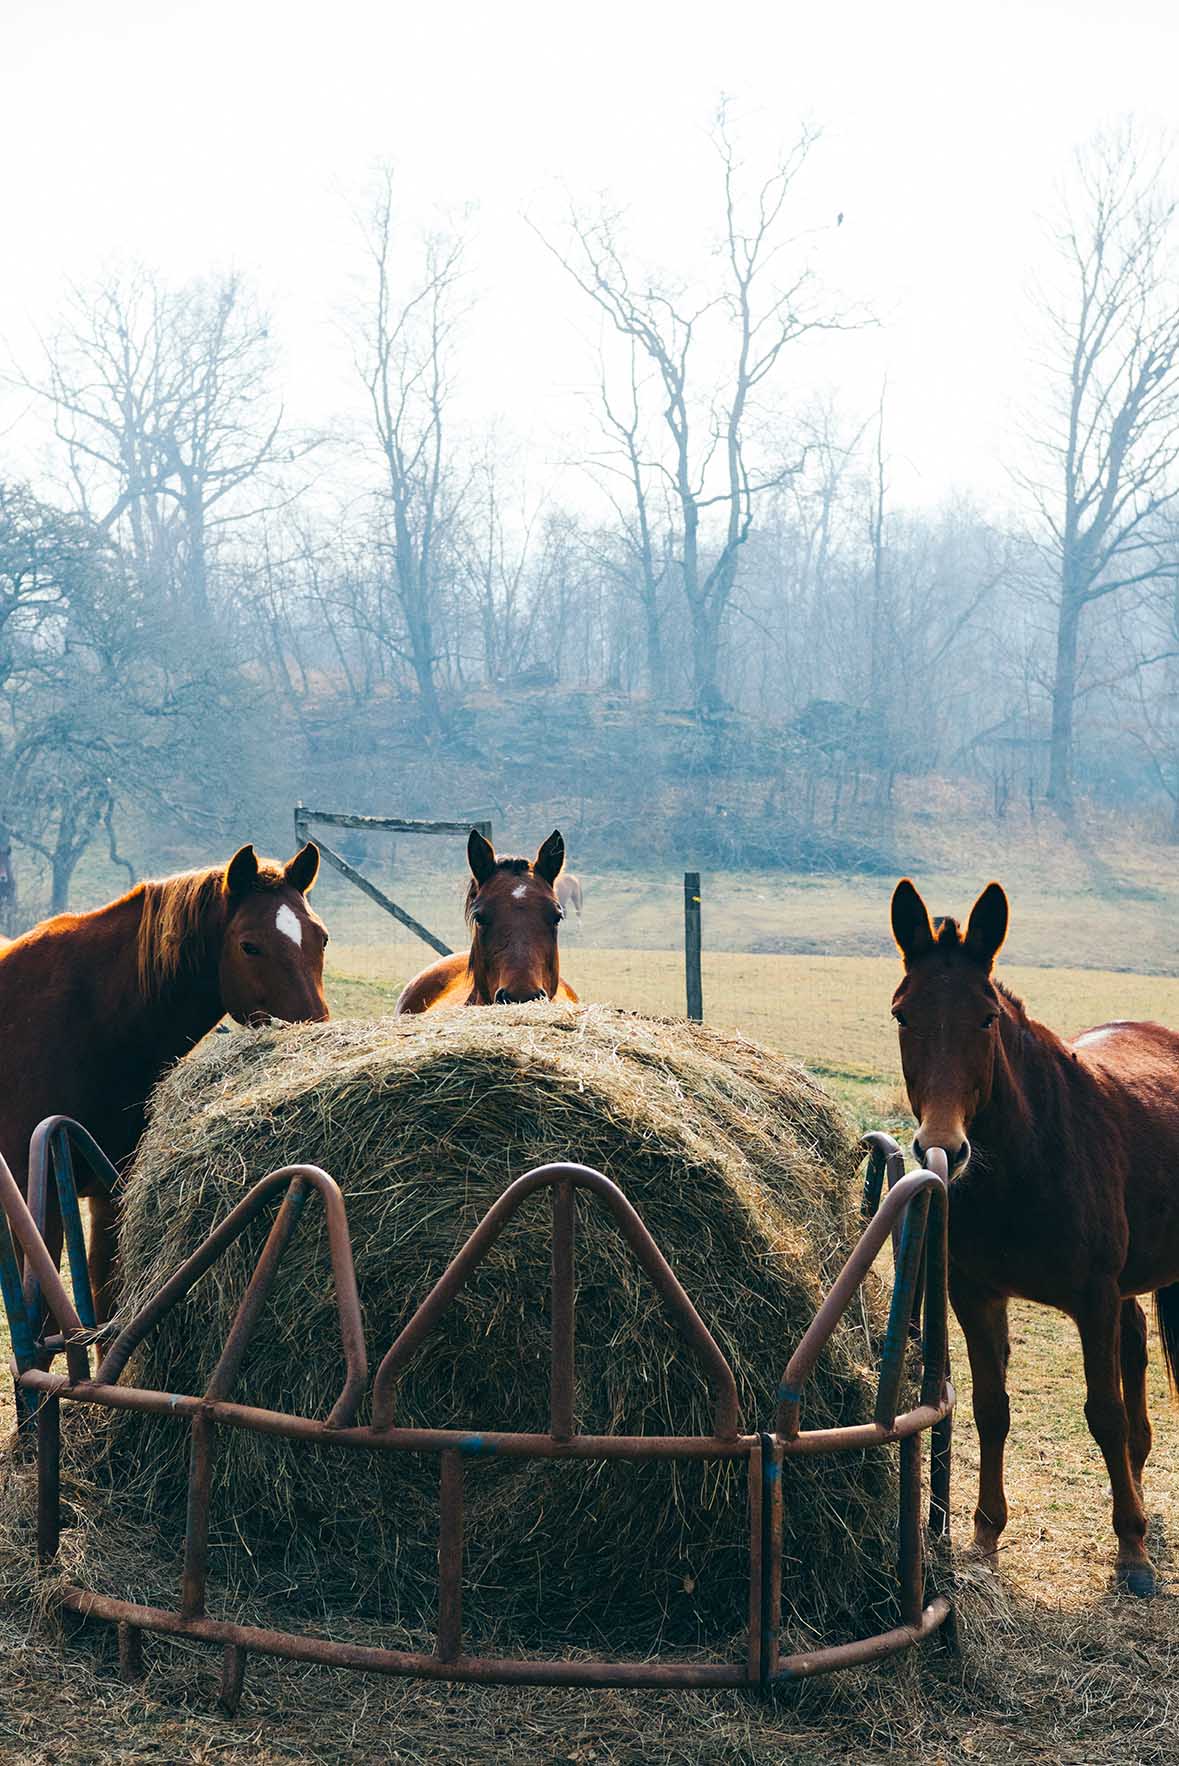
[741, 1168]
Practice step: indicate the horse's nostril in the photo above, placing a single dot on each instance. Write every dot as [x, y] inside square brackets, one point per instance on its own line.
[502, 997]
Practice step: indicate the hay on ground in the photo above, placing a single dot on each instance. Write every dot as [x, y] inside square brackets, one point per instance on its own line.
[742, 1169]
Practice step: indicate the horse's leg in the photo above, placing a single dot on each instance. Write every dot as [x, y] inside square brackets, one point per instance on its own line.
[1132, 1346]
[983, 1318]
[101, 1256]
[1099, 1320]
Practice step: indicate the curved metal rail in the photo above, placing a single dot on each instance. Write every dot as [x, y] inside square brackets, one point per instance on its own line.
[913, 1212]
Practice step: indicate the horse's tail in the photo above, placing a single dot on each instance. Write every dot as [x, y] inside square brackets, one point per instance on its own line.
[1166, 1318]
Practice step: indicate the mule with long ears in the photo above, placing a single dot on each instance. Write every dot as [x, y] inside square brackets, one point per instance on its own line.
[94, 1007]
[1064, 1189]
[514, 916]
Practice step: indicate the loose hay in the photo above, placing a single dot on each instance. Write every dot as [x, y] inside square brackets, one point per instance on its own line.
[741, 1168]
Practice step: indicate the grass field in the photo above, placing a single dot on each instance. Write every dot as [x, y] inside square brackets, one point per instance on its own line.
[1055, 1667]
[832, 1013]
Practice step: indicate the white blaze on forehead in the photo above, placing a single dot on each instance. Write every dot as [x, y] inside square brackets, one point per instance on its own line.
[520, 891]
[287, 921]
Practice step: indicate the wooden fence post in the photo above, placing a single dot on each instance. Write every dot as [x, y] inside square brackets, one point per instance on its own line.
[695, 988]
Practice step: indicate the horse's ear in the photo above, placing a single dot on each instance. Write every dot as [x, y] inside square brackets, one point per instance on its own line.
[910, 922]
[480, 856]
[302, 870]
[241, 873]
[551, 857]
[987, 927]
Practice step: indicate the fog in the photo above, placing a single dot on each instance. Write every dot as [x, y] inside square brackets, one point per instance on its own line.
[715, 436]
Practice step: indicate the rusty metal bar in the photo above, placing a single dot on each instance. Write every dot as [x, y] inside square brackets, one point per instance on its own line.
[48, 1479]
[901, 1308]
[51, 1148]
[81, 1141]
[450, 1557]
[756, 1490]
[936, 1338]
[42, 1267]
[910, 1557]
[231, 1228]
[224, 1375]
[851, 1437]
[885, 1158]
[692, 1326]
[196, 1525]
[130, 1651]
[20, 1330]
[71, 1221]
[233, 1678]
[865, 1649]
[561, 1382]
[484, 1669]
[838, 1299]
[771, 1603]
[469, 1442]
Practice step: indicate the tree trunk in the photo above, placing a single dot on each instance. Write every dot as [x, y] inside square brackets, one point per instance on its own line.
[656, 668]
[706, 693]
[1064, 695]
[62, 869]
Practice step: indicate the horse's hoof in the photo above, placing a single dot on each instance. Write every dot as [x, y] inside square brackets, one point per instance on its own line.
[1136, 1578]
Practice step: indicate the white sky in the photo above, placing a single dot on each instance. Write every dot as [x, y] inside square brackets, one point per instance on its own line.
[192, 135]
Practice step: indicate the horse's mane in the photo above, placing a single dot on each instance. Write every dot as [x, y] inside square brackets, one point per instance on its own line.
[180, 918]
[512, 867]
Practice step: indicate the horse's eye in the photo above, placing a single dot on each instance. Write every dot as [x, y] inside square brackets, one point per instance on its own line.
[991, 1018]
[251, 950]
[902, 1021]
[326, 939]
[479, 917]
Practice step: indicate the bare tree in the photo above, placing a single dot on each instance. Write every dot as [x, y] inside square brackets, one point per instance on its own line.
[404, 360]
[708, 423]
[162, 400]
[641, 559]
[1113, 441]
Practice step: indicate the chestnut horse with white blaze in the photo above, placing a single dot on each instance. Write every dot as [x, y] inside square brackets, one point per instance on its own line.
[1064, 1189]
[94, 1007]
[514, 916]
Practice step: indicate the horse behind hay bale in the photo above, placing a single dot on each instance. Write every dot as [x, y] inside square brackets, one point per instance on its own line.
[740, 1167]
[514, 916]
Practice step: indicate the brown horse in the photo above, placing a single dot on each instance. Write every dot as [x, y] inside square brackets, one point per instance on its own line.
[94, 1007]
[514, 916]
[1064, 1189]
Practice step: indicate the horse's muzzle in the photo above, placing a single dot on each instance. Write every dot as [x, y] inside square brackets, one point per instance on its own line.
[504, 998]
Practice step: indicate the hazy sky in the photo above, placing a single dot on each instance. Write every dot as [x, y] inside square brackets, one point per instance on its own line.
[210, 134]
